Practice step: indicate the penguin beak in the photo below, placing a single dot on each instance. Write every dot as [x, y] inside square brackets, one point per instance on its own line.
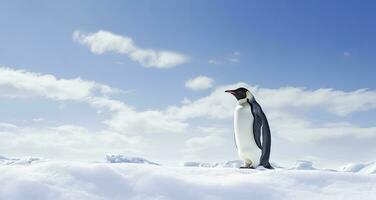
[230, 91]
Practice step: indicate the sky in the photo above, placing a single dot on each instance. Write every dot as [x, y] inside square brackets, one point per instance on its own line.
[82, 79]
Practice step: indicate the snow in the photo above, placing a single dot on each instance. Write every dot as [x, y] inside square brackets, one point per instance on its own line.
[65, 180]
[304, 165]
[18, 161]
[369, 168]
[228, 164]
[353, 167]
[127, 159]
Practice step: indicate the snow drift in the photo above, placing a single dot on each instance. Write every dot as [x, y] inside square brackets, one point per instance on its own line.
[369, 168]
[228, 164]
[128, 159]
[18, 161]
[53, 180]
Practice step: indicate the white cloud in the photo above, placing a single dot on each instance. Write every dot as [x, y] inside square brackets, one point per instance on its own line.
[217, 105]
[208, 140]
[286, 108]
[187, 128]
[7, 126]
[233, 57]
[197, 148]
[334, 101]
[220, 104]
[146, 122]
[199, 83]
[297, 128]
[186, 101]
[19, 83]
[39, 119]
[214, 62]
[127, 120]
[103, 41]
[65, 142]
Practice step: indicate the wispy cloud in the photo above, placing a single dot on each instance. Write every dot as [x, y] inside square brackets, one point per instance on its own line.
[199, 83]
[233, 57]
[214, 62]
[39, 119]
[20, 83]
[104, 41]
[23, 84]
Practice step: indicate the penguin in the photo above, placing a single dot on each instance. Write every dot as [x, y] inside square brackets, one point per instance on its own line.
[251, 126]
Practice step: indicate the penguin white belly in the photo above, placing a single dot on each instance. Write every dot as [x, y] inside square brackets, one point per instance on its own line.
[248, 150]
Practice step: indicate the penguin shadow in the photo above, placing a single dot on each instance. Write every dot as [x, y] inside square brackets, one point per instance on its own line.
[250, 170]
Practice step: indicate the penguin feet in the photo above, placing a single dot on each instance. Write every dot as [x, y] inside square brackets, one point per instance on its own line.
[247, 167]
[268, 166]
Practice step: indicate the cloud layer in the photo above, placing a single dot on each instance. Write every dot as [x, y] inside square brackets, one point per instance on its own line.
[194, 129]
[104, 41]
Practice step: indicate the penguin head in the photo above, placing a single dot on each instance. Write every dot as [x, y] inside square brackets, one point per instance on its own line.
[241, 93]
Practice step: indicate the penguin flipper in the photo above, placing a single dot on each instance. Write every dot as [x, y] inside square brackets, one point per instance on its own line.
[266, 142]
[259, 114]
[257, 123]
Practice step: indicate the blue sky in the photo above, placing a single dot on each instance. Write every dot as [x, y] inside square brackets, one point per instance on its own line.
[271, 44]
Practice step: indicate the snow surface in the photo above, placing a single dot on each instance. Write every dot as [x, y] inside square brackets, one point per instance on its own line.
[369, 168]
[128, 159]
[304, 165]
[63, 180]
[228, 164]
[18, 161]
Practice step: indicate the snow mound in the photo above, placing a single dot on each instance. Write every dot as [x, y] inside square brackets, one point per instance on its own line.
[353, 167]
[369, 168]
[106, 181]
[127, 159]
[18, 161]
[304, 165]
[233, 164]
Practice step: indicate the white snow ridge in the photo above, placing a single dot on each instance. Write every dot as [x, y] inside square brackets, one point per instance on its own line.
[18, 161]
[127, 159]
[304, 165]
[58, 180]
[369, 168]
